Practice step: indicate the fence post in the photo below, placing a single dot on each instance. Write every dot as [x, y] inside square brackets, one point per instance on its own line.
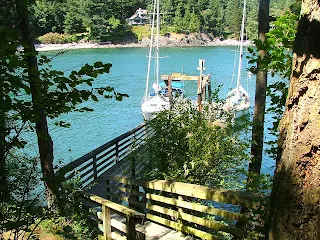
[108, 195]
[180, 210]
[117, 152]
[94, 166]
[106, 222]
[131, 228]
[133, 166]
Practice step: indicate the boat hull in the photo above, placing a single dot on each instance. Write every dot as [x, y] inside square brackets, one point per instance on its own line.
[237, 100]
[152, 105]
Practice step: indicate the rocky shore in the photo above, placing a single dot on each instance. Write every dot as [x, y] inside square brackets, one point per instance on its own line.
[170, 40]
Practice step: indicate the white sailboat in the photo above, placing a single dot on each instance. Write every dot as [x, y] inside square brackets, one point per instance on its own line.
[238, 98]
[156, 99]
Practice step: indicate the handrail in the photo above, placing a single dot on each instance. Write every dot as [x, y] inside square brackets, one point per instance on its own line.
[132, 217]
[98, 161]
[240, 198]
[116, 207]
[184, 206]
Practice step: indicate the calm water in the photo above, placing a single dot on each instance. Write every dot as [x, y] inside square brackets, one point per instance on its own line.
[128, 73]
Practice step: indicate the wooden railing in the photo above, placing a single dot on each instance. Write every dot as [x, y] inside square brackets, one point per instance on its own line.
[114, 228]
[193, 209]
[92, 165]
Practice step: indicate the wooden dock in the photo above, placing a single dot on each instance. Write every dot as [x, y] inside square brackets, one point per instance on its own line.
[128, 207]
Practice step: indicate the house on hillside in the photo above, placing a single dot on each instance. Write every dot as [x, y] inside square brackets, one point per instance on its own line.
[140, 17]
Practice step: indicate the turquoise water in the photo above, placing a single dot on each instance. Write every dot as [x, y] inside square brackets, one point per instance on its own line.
[127, 75]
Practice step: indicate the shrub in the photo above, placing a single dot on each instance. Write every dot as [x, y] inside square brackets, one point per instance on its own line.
[51, 38]
[186, 147]
[67, 38]
[57, 38]
[141, 31]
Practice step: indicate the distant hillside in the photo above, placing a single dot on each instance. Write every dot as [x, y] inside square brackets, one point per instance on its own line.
[105, 20]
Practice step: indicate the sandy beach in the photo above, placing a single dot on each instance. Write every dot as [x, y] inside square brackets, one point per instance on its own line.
[144, 43]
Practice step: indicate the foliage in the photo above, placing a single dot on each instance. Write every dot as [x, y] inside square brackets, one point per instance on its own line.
[234, 17]
[74, 227]
[75, 222]
[220, 17]
[279, 45]
[23, 208]
[23, 215]
[187, 148]
[141, 31]
[279, 7]
[74, 17]
[57, 38]
[48, 16]
[58, 93]
[62, 93]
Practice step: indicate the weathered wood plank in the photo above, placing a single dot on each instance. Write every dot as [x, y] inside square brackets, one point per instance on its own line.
[211, 224]
[131, 227]
[117, 236]
[114, 223]
[106, 222]
[116, 207]
[183, 204]
[244, 199]
[100, 237]
[180, 227]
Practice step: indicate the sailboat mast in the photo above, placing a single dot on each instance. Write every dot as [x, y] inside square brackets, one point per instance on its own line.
[157, 49]
[150, 49]
[241, 44]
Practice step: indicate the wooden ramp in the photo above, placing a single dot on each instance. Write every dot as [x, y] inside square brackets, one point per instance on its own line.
[148, 230]
[158, 209]
[155, 231]
[122, 168]
[115, 158]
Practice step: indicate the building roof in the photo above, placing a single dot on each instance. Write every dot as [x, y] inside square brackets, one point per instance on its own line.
[140, 13]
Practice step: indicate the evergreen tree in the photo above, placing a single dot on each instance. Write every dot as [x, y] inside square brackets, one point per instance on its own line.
[178, 19]
[73, 22]
[221, 17]
[48, 16]
[213, 17]
[251, 26]
[194, 23]
[233, 17]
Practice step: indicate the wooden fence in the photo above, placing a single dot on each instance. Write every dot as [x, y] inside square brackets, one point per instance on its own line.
[121, 227]
[196, 210]
[92, 165]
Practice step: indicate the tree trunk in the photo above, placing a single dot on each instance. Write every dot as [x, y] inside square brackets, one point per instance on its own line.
[45, 143]
[259, 105]
[260, 95]
[295, 199]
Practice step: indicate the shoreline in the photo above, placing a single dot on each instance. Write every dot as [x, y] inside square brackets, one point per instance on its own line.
[143, 44]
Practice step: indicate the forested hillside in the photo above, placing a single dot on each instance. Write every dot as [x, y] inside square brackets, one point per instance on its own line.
[105, 20]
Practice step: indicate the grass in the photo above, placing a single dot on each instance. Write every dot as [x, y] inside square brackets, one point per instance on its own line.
[39, 234]
[141, 31]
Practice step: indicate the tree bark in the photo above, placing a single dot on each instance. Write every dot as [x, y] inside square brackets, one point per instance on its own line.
[45, 143]
[295, 199]
[260, 95]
